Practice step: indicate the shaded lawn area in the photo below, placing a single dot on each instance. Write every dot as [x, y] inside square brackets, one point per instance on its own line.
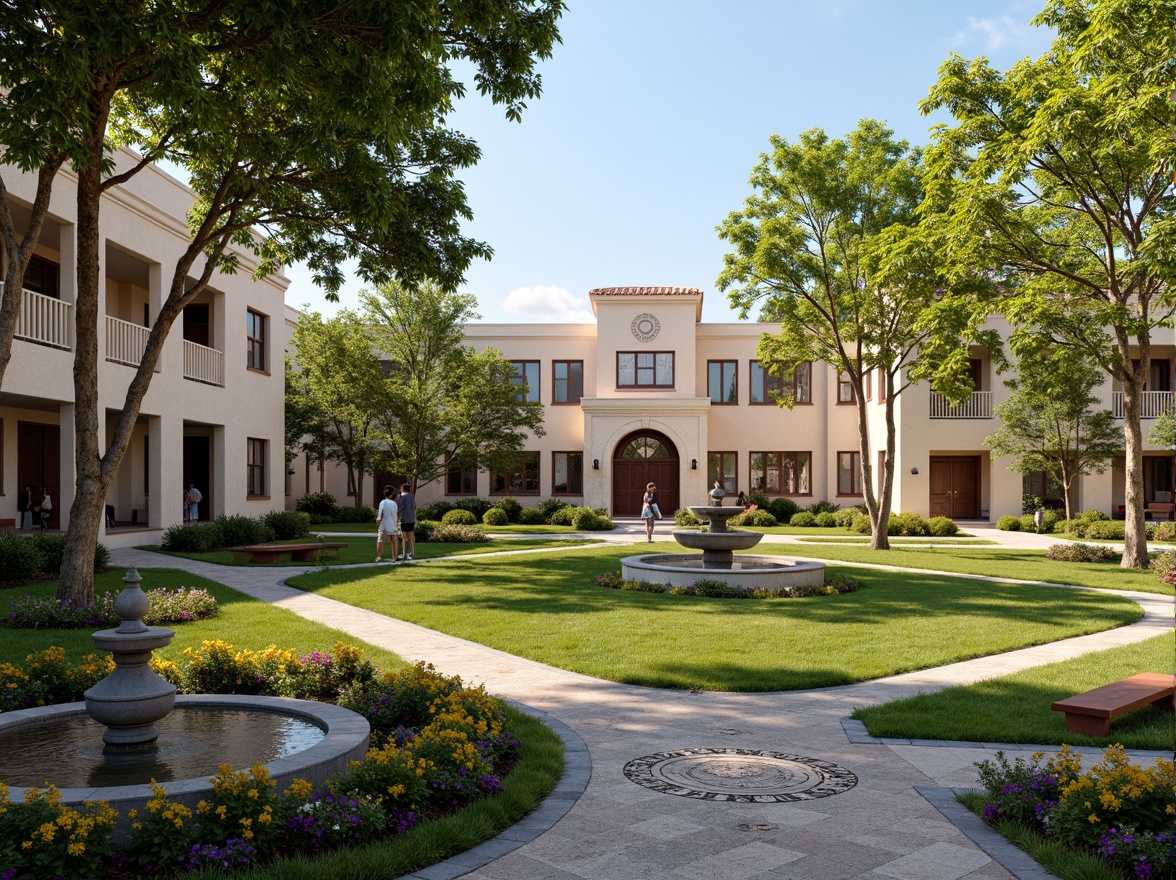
[545, 607]
[838, 532]
[858, 539]
[1015, 708]
[241, 622]
[516, 529]
[360, 550]
[1030, 565]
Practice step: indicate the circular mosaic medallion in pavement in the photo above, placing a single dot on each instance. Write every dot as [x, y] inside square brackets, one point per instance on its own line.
[741, 776]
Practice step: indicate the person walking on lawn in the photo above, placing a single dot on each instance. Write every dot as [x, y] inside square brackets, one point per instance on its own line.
[406, 505]
[388, 518]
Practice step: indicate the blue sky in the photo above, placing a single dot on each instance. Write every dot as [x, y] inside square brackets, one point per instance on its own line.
[652, 116]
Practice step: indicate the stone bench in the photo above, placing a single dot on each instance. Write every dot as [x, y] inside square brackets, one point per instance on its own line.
[1091, 713]
[309, 552]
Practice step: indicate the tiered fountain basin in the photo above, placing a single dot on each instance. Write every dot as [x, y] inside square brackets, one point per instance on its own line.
[294, 739]
[718, 561]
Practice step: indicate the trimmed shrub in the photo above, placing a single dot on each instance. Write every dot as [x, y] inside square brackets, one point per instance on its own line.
[549, 506]
[1051, 518]
[844, 518]
[588, 520]
[52, 549]
[20, 559]
[433, 511]
[532, 516]
[237, 531]
[761, 501]
[286, 525]
[181, 538]
[909, 525]
[1009, 523]
[802, 520]
[685, 519]
[458, 533]
[1081, 553]
[364, 513]
[942, 527]
[1106, 530]
[495, 516]
[318, 504]
[1030, 503]
[827, 520]
[424, 530]
[823, 506]
[510, 507]
[861, 524]
[1027, 523]
[1163, 564]
[476, 506]
[754, 518]
[564, 516]
[459, 518]
[1165, 531]
[781, 508]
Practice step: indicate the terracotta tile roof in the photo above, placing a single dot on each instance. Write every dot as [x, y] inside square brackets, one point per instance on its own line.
[645, 291]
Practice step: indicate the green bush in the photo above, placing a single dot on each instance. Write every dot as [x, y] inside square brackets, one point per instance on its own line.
[318, 504]
[424, 530]
[823, 506]
[588, 520]
[781, 508]
[1166, 531]
[909, 525]
[510, 507]
[476, 506]
[287, 525]
[942, 527]
[52, 549]
[862, 525]
[181, 538]
[458, 533]
[1093, 516]
[495, 516]
[19, 559]
[1030, 503]
[434, 511]
[827, 520]
[762, 502]
[685, 519]
[459, 518]
[237, 531]
[1163, 564]
[754, 518]
[1027, 523]
[1009, 523]
[802, 520]
[532, 516]
[1051, 518]
[1106, 530]
[1077, 552]
[364, 513]
[564, 516]
[844, 518]
[549, 506]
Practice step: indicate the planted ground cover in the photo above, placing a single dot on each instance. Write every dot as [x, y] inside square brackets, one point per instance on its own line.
[361, 550]
[856, 539]
[546, 607]
[1015, 708]
[1020, 564]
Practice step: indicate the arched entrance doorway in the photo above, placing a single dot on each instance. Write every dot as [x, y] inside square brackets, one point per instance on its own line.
[644, 457]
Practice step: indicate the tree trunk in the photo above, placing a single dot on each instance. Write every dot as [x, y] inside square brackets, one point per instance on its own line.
[880, 539]
[1135, 528]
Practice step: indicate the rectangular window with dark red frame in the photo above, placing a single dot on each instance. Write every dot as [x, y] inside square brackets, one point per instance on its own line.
[645, 369]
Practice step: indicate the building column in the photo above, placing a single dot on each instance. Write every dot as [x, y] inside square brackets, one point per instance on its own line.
[165, 469]
[220, 499]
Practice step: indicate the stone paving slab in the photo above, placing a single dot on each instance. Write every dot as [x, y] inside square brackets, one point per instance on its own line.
[883, 827]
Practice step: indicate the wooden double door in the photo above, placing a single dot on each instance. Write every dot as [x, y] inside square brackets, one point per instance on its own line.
[640, 459]
[955, 486]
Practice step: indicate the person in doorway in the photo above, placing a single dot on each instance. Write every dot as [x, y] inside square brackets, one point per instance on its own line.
[650, 512]
[388, 518]
[741, 500]
[192, 499]
[24, 506]
[406, 507]
[45, 508]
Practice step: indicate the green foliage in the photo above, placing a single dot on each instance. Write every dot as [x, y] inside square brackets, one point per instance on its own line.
[532, 516]
[361, 513]
[585, 519]
[511, 507]
[762, 502]
[910, 525]
[424, 530]
[494, 517]
[827, 520]
[942, 527]
[754, 518]
[1097, 530]
[823, 506]
[1009, 523]
[804, 519]
[476, 506]
[19, 559]
[287, 525]
[1078, 552]
[201, 538]
[434, 511]
[63, 842]
[165, 607]
[862, 525]
[781, 508]
[238, 531]
[549, 506]
[845, 517]
[458, 533]
[459, 518]
[718, 589]
[683, 518]
[1030, 503]
[318, 504]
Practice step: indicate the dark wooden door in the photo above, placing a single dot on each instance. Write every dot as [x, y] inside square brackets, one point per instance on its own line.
[38, 454]
[640, 459]
[955, 487]
[198, 471]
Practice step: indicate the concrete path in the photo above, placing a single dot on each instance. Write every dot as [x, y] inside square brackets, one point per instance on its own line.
[616, 830]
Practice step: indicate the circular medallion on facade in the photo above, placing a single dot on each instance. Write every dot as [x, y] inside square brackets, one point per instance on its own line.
[740, 776]
[645, 327]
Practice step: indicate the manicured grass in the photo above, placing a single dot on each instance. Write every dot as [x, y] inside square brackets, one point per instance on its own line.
[852, 540]
[241, 622]
[334, 528]
[1015, 708]
[835, 532]
[1020, 564]
[360, 550]
[533, 778]
[545, 607]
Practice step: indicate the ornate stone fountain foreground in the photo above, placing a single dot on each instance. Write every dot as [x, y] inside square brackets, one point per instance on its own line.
[718, 560]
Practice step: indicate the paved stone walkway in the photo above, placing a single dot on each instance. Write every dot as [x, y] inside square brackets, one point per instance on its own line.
[617, 830]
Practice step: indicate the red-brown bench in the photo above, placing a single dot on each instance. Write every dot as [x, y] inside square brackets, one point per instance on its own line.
[1091, 713]
[309, 552]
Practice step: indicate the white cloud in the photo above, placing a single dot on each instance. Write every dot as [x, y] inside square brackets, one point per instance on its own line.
[1013, 33]
[548, 304]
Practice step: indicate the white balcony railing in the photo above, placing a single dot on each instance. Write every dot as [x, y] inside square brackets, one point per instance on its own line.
[1151, 403]
[204, 364]
[125, 342]
[44, 319]
[976, 406]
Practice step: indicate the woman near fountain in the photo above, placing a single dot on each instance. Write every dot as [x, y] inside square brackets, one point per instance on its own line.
[650, 510]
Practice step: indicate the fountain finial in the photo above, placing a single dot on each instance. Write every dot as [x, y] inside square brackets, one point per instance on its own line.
[717, 494]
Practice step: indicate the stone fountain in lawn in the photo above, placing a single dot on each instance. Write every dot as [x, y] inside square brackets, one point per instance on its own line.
[133, 728]
[718, 560]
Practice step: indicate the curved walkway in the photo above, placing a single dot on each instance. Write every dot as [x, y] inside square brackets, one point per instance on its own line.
[616, 830]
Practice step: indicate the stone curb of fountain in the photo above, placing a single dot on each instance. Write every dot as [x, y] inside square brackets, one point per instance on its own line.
[1012, 858]
[576, 773]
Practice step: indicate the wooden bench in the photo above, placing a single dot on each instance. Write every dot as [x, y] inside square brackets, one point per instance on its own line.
[309, 552]
[1160, 510]
[1091, 713]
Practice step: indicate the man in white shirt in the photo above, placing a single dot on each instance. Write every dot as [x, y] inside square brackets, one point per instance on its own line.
[388, 517]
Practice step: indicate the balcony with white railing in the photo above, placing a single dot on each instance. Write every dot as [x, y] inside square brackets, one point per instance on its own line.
[125, 342]
[44, 320]
[1151, 403]
[978, 405]
[204, 364]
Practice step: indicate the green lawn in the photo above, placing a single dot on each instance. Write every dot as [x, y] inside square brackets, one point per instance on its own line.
[1020, 564]
[360, 550]
[334, 528]
[835, 532]
[546, 607]
[862, 539]
[1015, 708]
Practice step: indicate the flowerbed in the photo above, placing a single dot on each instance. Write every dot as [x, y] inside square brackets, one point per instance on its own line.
[1116, 810]
[167, 606]
[436, 746]
[1078, 552]
[715, 589]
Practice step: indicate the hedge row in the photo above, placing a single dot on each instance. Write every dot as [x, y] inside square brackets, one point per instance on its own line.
[237, 531]
[24, 558]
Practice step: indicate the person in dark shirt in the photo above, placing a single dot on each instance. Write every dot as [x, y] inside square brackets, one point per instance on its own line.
[407, 504]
